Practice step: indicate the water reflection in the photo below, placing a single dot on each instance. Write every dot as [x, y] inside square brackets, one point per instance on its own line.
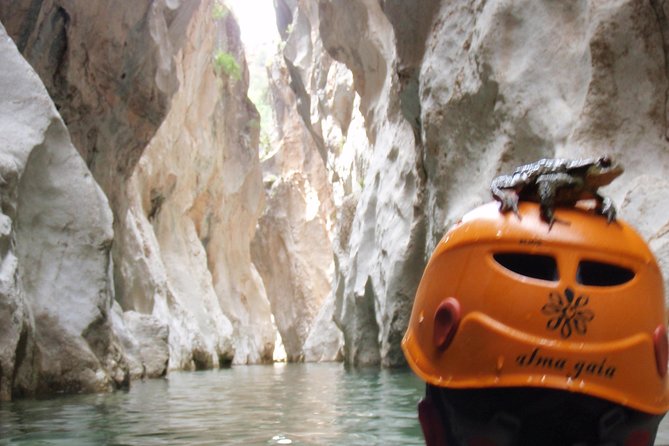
[301, 404]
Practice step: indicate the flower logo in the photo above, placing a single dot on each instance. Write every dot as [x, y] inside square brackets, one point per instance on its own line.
[567, 314]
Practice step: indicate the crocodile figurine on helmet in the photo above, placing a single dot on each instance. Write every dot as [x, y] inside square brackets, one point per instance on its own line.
[557, 182]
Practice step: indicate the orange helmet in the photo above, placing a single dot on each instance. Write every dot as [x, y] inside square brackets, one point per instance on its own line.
[507, 302]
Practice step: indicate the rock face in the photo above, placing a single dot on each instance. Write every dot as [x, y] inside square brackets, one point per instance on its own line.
[146, 343]
[508, 100]
[393, 117]
[374, 165]
[515, 95]
[292, 248]
[155, 102]
[183, 241]
[56, 329]
[314, 176]
[109, 69]
[452, 94]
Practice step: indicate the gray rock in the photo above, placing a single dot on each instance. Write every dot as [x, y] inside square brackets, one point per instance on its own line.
[146, 345]
[450, 94]
[56, 232]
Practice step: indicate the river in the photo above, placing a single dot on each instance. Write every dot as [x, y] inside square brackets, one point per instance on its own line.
[296, 404]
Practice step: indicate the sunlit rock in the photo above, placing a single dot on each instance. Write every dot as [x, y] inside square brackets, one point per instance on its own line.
[322, 147]
[56, 234]
[293, 248]
[369, 150]
[326, 340]
[386, 241]
[293, 254]
[183, 247]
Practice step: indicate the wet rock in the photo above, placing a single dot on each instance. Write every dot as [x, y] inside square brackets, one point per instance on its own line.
[146, 343]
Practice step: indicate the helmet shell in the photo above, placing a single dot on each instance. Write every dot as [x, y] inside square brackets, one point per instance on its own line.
[579, 307]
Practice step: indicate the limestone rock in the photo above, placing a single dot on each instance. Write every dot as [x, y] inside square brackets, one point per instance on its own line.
[512, 99]
[193, 201]
[352, 107]
[450, 95]
[199, 180]
[293, 248]
[325, 341]
[293, 254]
[336, 302]
[321, 158]
[412, 25]
[386, 243]
[145, 340]
[509, 98]
[109, 68]
[114, 83]
[56, 236]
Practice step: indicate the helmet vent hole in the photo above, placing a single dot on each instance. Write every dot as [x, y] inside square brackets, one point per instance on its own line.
[536, 266]
[593, 273]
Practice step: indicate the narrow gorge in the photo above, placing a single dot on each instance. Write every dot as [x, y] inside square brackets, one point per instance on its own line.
[142, 230]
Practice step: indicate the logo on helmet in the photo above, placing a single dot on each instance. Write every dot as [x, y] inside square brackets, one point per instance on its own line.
[567, 313]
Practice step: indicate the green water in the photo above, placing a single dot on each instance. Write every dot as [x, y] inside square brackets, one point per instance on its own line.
[298, 404]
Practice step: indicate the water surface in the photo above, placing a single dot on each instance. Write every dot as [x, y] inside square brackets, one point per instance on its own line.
[297, 404]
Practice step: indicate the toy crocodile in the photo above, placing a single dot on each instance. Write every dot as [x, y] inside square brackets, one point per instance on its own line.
[557, 182]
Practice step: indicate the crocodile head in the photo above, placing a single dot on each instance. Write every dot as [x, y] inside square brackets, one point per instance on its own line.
[602, 171]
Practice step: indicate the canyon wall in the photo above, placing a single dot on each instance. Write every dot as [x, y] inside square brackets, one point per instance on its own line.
[182, 251]
[55, 292]
[140, 231]
[111, 74]
[451, 94]
[292, 247]
[127, 223]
